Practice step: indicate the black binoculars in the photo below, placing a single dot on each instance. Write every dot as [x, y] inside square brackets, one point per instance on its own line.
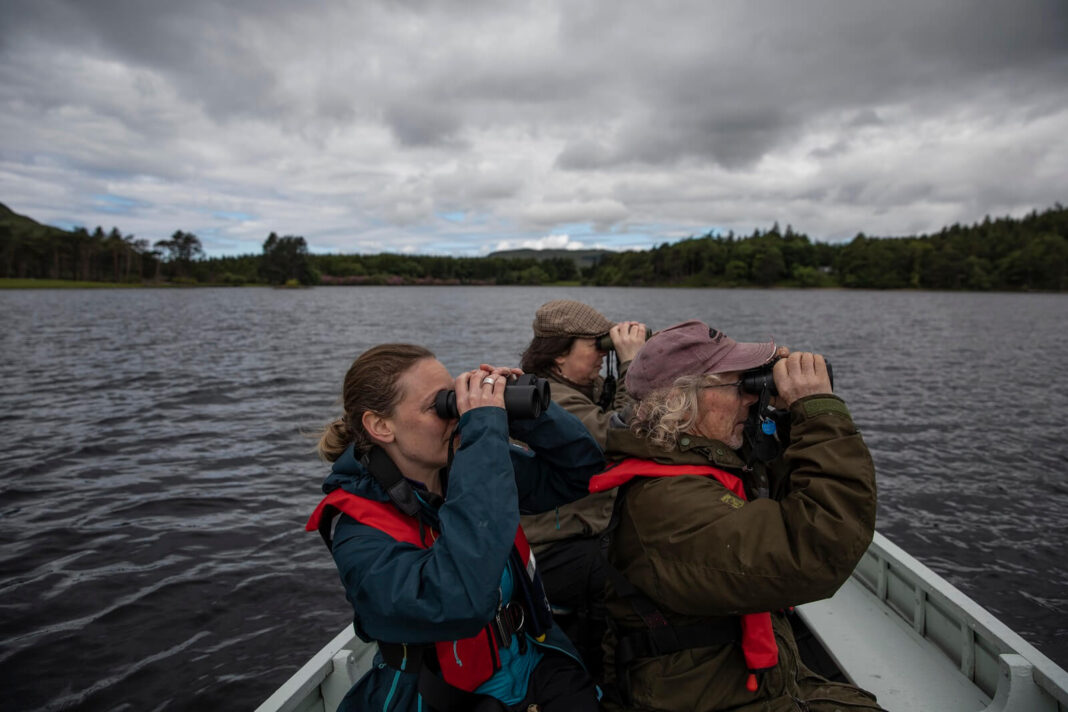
[758, 379]
[604, 343]
[525, 396]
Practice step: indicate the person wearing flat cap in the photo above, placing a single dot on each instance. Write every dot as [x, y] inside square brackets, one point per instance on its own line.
[713, 544]
[570, 541]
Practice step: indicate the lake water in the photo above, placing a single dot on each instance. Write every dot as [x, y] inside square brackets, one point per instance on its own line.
[157, 464]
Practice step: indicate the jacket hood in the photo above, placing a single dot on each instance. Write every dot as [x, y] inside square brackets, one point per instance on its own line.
[349, 474]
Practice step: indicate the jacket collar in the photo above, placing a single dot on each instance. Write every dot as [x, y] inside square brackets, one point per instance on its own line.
[690, 450]
[591, 391]
[349, 472]
[716, 451]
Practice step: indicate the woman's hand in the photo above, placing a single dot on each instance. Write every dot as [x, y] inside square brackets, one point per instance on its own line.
[483, 386]
[801, 374]
[628, 337]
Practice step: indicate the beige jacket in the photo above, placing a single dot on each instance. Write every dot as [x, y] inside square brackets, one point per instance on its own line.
[590, 515]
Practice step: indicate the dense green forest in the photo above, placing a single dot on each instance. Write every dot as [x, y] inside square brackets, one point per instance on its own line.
[1028, 253]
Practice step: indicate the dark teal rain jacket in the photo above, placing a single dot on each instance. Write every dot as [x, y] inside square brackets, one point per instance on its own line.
[401, 593]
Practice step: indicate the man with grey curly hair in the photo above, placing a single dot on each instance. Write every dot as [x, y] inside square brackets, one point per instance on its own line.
[713, 543]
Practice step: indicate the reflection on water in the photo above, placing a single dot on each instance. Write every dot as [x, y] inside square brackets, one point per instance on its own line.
[158, 460]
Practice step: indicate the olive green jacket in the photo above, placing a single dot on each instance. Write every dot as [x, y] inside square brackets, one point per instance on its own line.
[704, 555]
[590, 515]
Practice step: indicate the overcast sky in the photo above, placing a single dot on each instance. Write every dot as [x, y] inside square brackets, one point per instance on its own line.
[465, 127]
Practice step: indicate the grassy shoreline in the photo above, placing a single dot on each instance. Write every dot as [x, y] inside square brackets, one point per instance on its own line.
[11, 283]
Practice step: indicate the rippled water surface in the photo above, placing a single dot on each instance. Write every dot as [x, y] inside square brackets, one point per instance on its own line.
[157, 463]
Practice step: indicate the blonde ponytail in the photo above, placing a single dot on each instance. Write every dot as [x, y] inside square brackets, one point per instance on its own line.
[335, 440]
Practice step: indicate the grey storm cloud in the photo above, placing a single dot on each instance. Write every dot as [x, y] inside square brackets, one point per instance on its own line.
[536, 116]
[421, 124]
[197, 44]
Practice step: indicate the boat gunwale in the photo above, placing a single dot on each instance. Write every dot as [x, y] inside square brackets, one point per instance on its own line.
[985, 628]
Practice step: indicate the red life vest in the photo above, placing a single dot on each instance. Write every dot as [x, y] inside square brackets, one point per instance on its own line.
[758, 639]
[464, 663]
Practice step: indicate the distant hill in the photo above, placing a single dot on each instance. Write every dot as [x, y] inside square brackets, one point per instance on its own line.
[581, 258]
[30, 250]
[24, 227]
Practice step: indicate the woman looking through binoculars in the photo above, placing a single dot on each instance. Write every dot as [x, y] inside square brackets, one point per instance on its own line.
[570, 342]
[421, 515]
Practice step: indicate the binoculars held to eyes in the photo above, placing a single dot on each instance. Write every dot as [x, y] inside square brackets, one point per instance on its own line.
[604, 343]
[525, 396]
[758, 379]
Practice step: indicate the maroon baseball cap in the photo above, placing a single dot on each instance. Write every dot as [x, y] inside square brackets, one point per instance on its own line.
[691, 348]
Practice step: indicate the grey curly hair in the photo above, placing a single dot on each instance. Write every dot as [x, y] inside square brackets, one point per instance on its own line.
[668, 412]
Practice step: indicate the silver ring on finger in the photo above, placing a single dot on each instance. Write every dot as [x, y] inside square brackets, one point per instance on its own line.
[488, 380]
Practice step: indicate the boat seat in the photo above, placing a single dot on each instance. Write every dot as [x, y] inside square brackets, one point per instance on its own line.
[878, 651]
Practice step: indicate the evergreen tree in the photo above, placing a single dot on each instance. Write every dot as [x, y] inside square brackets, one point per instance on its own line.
[182, 249]
[285, 259]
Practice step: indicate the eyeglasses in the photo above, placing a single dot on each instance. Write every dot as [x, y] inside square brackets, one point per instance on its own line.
[735, 384]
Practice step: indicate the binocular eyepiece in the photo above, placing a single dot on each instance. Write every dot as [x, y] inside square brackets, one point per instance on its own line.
[526, 396]
[758, 379]
[604, 343]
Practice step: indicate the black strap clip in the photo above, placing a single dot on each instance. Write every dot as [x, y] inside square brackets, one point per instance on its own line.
[508, 622]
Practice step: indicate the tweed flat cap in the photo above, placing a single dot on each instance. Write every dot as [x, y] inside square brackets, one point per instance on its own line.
[564, 317]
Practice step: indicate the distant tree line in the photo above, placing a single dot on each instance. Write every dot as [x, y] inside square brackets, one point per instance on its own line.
[51, 253]
[1029, 253]
[1005, 254]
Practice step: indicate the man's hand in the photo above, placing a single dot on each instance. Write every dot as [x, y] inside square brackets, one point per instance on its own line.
[801, 374]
